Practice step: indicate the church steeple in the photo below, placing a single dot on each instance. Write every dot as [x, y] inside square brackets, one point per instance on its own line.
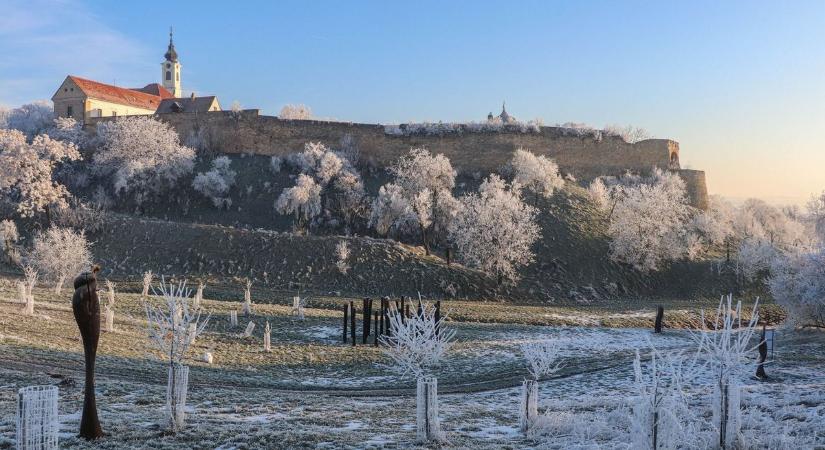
[170, 69]
[171, 55]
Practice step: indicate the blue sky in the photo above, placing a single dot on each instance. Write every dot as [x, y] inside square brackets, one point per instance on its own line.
[741, 85]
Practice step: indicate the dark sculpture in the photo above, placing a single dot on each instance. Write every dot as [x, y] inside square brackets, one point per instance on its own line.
[86, 307]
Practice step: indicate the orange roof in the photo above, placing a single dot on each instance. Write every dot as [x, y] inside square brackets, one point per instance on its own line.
[115, 94]
[155, 89]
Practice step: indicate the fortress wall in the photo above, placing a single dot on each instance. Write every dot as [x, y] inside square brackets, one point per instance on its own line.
[470, 152]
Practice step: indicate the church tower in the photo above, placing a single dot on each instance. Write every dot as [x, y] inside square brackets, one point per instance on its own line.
[170, 70]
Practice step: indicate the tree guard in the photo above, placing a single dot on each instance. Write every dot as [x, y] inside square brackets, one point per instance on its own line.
[176, 395]
[529, 404]
[86, 308]
[428, 427]
[37, 421]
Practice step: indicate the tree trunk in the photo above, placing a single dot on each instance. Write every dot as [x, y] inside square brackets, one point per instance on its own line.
[660, 314]
[424, 238]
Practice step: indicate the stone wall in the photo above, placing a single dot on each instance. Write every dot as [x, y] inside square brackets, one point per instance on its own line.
[470, 152]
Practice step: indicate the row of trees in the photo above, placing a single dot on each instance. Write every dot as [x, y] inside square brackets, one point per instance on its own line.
[492, 229]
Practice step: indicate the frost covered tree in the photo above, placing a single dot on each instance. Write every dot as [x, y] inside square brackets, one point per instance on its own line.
[726, 347]
[143, 155]
[215, 183]
[68, 130]
[797, 283]
[26, 289]
[416, 346]
[147, 282]
[31, 119]
[421, 195]
[303, 200]
[648, 219]
[60, 253]
[172, 328]
[542, 360]
[537, 174]
[342, 253]
[27, 172]
[295, 112]
[816, 210]
[660, 413]
[340, 188]
[629, 134]
[494, 230]
[8, 239]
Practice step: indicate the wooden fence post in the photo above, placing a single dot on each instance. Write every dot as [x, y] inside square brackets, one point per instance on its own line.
[352, 322]
[346, 317]
[660, 313]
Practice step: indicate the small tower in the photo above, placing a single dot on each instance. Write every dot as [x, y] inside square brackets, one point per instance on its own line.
[170, 69]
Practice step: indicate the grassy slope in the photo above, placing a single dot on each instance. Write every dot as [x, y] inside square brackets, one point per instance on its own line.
[572, 265]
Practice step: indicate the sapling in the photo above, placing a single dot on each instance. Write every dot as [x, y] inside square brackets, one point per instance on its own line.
[660, 416]
[416, 346]
[249, 328]
[170, 331]
[147, 282]
[109, 318]
[247, 298]
[342, 252]
[726, 347]
[267, 341]
[196, 301]
[26, 287]
[110, 293]
[298, 305]
[542, 360]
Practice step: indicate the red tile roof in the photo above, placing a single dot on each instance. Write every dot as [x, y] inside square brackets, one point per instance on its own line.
[118, 95]
[155, 89]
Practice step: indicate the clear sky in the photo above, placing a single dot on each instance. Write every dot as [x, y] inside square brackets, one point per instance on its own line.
[740, 84]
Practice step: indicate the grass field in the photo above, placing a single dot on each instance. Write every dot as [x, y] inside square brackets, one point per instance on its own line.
[312, 391]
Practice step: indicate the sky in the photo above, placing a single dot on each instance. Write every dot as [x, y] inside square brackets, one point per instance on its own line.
[740, 84]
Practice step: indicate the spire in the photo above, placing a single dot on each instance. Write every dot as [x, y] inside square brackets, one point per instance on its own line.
[505, 118]
[171, 55]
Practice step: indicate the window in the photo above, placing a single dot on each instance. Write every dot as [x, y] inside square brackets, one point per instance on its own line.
[168, 75]
[114, 113]
[69, 111]
[168, 65]
[177, 75]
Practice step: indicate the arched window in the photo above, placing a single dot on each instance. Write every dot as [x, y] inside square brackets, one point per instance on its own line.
[177, 75]
[168, 75]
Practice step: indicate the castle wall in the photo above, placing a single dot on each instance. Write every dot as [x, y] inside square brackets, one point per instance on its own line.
[585, 157]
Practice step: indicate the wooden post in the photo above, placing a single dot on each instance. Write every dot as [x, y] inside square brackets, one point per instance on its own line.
[346, 317]
[448, 256]
[660, 314]
[383, 312]
[763, 356]
[403, 309]
[375, 335]
[352, 322]
[437, 317]
[367, 317]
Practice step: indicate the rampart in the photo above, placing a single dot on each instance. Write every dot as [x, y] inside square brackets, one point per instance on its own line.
[584, 156]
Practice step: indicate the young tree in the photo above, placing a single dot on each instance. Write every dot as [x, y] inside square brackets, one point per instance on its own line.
[797, 283]
[8, 239]
[342, 252]
[495, 230]
[143, 154]
[59, 253]
[391, 211]
[215, 184]
[426, 183]
[172, 328]
[726, 347]
[295, 112]
[31, 119]
[303, 200]
[416, 346]
[542, 360]
[27, 172]
[538, 174]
